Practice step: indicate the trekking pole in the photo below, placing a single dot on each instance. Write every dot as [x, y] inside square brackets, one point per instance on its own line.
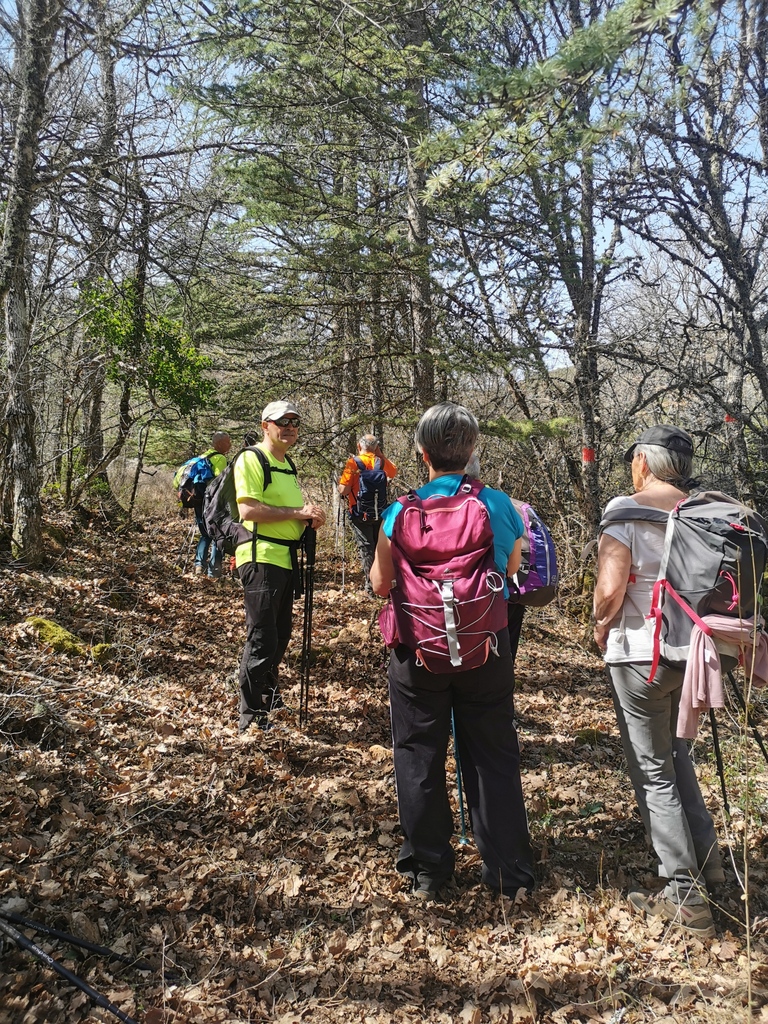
[37, 926]
[310, 545]
[463, 839]
[26, 944]
[719, 759]
[748, 714]
[184, 553]
[343, 545]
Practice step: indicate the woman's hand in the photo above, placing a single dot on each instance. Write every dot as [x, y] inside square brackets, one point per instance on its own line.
[382, 573]
[614, 561]
[600, 634]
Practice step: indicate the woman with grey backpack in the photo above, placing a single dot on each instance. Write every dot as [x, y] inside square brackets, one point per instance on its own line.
[675, 816]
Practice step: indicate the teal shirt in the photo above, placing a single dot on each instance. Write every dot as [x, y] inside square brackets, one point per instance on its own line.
[505, 521]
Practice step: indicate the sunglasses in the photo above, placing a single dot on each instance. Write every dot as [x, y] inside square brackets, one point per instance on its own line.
[287, 421]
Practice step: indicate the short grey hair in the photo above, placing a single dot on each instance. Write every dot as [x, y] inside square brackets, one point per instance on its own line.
[472, 468]
[447, 433]
[221, 439]
[664, 464]
[368, 443]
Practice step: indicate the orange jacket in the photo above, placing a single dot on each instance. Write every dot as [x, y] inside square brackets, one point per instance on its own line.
[351, 474]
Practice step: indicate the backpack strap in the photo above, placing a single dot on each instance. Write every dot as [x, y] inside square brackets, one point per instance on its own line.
[639, 513]
[466, 486]
[655, 615]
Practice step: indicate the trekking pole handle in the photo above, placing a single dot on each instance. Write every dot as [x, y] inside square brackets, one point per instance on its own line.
[310, 545]
[47, 959]
[92, 947]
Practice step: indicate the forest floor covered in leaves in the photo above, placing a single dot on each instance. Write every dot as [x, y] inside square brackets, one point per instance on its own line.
[255, 876]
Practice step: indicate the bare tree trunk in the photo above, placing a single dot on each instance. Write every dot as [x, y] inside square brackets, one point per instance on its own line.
[733, 393]
[102, 240]
[27, 538]
[376, 375]
[38, 24]
[585, 357]
[417, 119]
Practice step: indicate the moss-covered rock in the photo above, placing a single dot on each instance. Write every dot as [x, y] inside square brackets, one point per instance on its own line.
[56, 637]
[101, 653]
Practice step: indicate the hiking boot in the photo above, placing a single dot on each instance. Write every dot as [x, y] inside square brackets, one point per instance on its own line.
[713, 875]
[258, 718]
[198, 570]
[694, 918]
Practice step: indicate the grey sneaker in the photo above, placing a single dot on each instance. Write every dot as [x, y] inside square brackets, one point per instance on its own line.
[695, 918]
[426, 888]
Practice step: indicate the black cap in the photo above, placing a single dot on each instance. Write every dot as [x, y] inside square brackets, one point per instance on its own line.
[665, 436]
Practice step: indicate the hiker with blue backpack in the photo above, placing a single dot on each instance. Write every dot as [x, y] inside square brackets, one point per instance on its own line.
[442, 557]
[364, 484]
[273, 517]
[191, 481]
[646, 689]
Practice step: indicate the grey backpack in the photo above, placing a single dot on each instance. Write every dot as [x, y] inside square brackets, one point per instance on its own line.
[715, 552]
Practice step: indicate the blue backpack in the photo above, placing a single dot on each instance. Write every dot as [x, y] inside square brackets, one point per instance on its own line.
[192, 479]
[535, 582]
[372, 495]
[220, 514]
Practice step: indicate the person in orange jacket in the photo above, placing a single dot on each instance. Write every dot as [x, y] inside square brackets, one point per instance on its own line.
[364, 484]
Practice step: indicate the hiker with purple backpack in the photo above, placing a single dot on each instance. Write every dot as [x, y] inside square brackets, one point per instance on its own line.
[675, 816]
[535, 582]
[442, 557]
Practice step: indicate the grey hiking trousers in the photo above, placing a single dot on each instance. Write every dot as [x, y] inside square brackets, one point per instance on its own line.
[675, 816]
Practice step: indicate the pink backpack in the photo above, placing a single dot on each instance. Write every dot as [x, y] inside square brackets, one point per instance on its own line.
[448, 601]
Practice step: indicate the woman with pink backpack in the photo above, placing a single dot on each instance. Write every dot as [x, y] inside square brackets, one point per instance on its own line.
[443, 555]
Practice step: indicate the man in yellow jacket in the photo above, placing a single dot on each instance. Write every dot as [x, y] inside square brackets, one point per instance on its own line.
[279, 514]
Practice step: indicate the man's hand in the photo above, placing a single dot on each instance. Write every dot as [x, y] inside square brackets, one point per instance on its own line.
[314, 513]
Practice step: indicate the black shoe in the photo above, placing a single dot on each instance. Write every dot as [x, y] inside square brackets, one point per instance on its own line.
[258, 718]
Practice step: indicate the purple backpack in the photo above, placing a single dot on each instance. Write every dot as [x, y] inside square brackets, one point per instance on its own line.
[535, 582]
[447, 603]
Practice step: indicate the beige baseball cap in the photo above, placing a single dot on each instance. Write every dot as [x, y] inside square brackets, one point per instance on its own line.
[276, 410]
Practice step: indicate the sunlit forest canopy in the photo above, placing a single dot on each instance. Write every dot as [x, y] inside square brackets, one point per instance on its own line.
[552, 212]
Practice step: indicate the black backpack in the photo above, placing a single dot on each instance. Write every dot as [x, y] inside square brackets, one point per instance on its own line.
[192, 480]
[371, 497]
[220, 514]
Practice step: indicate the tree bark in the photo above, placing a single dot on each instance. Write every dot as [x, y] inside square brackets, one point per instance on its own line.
[26, 538]
[417, 126]
[39, 22]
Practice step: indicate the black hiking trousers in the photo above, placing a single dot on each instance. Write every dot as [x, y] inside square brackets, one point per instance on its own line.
[268, 594]
[366, 534]
[482, 704]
